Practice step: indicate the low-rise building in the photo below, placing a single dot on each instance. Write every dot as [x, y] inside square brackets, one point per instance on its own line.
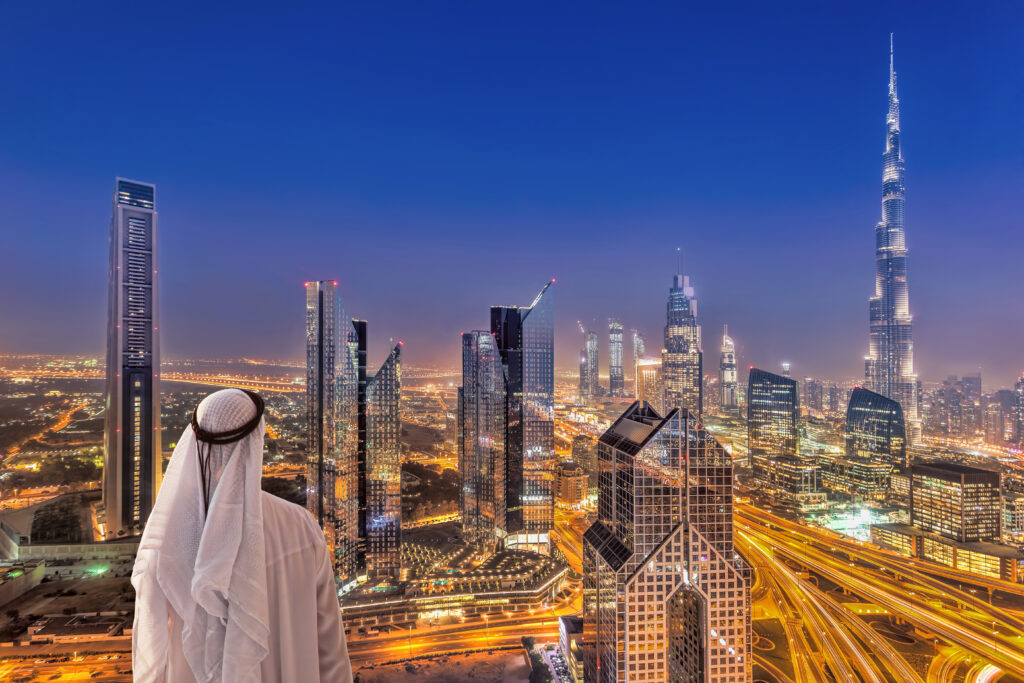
[1013, 518]
[18, 578]
[570, 485]
[570, 630]
[76, 628]
[994, 560]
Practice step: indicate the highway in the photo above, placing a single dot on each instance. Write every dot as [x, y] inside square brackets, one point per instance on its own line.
[986, 632]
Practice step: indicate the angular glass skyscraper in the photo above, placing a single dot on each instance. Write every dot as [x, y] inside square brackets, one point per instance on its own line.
[353, 458]
[616, 381]
[481, 440]
[132, 459]
[889, 366]
[665, 594]
[875, 429]
[682, 361]
[384, 469]
[727, 373]
[332, 423]
[526, 342]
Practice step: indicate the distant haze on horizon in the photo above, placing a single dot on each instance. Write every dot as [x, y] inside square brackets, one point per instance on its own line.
[437, 161]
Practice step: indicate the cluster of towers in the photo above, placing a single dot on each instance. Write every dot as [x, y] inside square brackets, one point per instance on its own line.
[353, 422]
[506, 428]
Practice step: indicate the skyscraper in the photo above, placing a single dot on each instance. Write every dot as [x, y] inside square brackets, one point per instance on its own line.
[727, 373]
[665, 595]
[889, 366]
[772, 419]
[682, 361]
[875, 429]
[481, 440]
[648, 382]
[616, 382]
[384, 469]
[132, 459]
[333, 413]
[593, 367]
[353, 457]
[526, 342]
[638, 352]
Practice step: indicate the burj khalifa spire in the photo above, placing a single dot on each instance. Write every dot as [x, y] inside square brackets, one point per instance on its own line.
[889, 366]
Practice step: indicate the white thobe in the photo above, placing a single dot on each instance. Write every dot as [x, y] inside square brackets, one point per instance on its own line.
[307, 642]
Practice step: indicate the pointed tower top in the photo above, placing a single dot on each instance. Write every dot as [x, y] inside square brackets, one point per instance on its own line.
[679, 260]
[892, 69]
[726, 333]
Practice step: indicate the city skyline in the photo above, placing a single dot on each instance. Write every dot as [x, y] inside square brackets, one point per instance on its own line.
[249, 244]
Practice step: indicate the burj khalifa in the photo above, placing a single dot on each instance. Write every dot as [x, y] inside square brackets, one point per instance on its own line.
[889, 366]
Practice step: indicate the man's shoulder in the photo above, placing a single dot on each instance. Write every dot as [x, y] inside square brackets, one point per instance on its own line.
[294, 521]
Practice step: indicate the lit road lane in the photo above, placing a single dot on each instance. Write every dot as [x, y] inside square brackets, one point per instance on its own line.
[909, 571]
[948, 623]
[806, 666]
[833, 641]
[880, 646]
[829, 537]
[473, 636]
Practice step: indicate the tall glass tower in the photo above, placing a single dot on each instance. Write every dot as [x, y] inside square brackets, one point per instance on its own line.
[727, 372]
[665, 594]
[593, 367]
[333, 478]
[616, 382]
[481, 440]
[638, 353]
[384, 469]
[132, 459]
[772, 422]
[682, 361]
[889, 366]
[526, 342]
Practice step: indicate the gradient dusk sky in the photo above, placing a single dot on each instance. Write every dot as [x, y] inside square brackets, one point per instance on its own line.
[440, 157]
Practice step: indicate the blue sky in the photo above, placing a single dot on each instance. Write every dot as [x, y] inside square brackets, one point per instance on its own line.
[437, 158]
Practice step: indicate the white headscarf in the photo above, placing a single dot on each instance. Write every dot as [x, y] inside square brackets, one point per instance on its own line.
[209, 567]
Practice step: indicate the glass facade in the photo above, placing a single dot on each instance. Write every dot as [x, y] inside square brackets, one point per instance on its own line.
[665, 595]
[772, 414]
[384, 469]
[889, 366]
[593, 365]
[332, 424]
[958, 502]
[727, 373]
[481, 440]
[132, 460]
[875, 429]
[682, 361]
[639, 348]
[526, 342]
[616, 381]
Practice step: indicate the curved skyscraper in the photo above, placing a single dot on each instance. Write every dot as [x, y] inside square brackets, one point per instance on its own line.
[889, 366]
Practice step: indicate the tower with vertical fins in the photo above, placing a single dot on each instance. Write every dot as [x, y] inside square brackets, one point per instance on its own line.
[889, 365]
